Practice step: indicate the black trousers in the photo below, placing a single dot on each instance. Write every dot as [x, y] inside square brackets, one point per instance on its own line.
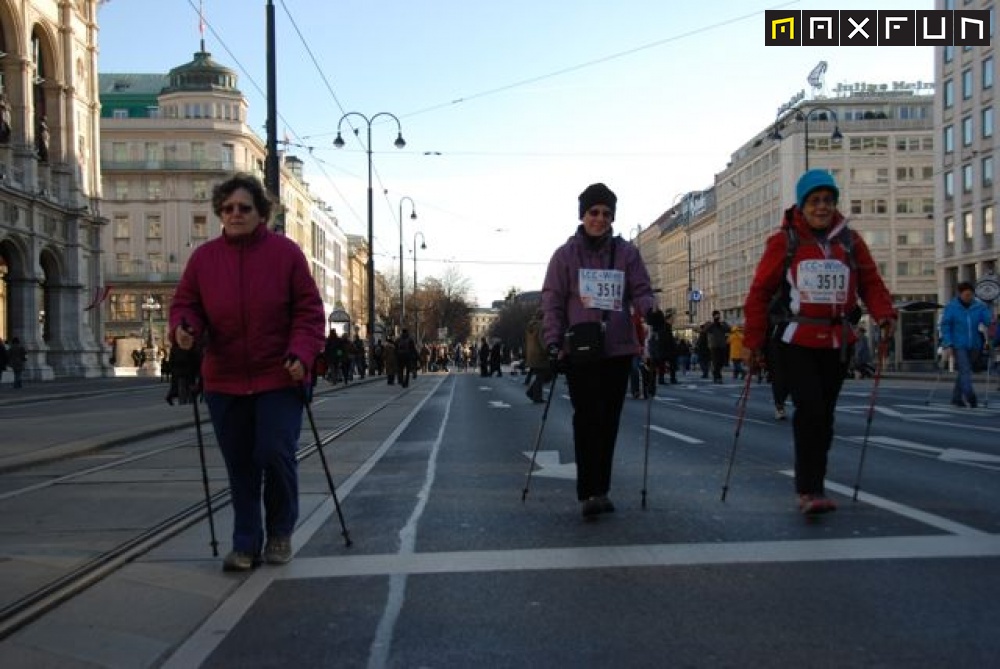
[597, 391]
[814, 377]
[779, 383]
[719, 356]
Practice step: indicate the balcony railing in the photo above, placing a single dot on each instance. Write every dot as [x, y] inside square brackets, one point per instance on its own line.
[111, 165]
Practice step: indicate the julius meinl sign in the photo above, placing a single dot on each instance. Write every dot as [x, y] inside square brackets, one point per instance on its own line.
[843, 27]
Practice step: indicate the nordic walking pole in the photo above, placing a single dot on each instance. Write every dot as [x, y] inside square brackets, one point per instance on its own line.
[941, 366]
[326, 467]
[204, 471]
[882, 347]
[741, 411]
[538, 437]
[645, 456]
[989, 363]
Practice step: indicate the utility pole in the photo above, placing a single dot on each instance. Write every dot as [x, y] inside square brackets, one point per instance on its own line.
[272, 166]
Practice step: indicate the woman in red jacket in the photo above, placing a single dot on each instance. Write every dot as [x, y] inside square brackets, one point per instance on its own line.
[807, 283]
[249, 297]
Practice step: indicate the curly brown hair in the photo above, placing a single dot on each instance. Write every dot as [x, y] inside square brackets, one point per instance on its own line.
[249, 183]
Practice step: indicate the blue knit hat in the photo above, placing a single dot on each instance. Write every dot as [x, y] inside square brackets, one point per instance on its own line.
[812, 180]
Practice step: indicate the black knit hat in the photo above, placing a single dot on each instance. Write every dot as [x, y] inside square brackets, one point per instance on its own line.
[597, 194]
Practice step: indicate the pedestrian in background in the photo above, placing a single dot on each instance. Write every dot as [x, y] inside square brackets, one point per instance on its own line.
[816, 288]
[249, 298]
[964, 320]
[717, 334]
[17, 356]
[537, 358]
[4, 359]
[593, 283]
[735, 340]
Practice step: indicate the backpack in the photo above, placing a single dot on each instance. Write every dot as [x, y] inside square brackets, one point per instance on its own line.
[778, 311]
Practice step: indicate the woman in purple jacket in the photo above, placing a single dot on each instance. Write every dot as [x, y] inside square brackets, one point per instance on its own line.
[249, 299]
[593, 283]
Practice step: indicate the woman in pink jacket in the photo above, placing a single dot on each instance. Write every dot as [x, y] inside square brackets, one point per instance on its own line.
[248, 298]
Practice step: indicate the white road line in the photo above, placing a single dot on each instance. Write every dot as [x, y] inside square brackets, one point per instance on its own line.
[655, 555]
[676, 435]
[938, 522]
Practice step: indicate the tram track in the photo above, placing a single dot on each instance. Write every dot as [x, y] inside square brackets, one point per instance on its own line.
[41, 600]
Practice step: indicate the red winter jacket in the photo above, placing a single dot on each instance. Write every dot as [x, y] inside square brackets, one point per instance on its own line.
[814, 325]
[256, 303]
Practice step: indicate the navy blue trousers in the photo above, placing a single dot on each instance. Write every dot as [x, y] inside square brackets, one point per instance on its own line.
[258, 435]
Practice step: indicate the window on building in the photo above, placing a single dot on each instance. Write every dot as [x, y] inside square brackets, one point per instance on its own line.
[119, 152]
[948, 94]
[856, 206]
[967, 131]
[123, 264]
[154, 189]
[966, 84]
[988, 219]
[154, 227]
[199, 189]
[880, 206]
[949, 138]
[967, 224]
[122, 228]
[988, 72]
[949, 53]
[121, 189]
[228, 157]
[927, 172]
[966, 178]
[155, 261]
[154, 153]
[987, 169]
[927, 205]
[119, 113]
[949, 184]
[199, 227]
[987, 122]
[198, 151]
[949, 229]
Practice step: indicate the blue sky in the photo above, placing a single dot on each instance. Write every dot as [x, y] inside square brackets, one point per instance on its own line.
[526, 102]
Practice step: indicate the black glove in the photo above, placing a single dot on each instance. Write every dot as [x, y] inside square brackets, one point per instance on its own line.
[655, 319]
[553, 350]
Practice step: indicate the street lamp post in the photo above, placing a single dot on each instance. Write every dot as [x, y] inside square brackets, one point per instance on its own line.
[399, 143]
[416, 311]
[413, 217]
[151, 366]
[836, 135]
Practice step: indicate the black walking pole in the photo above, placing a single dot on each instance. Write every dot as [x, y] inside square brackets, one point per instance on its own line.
[650, 392]
[871, 412]
[741, 411]
[326, 467]
[541, 428]
[204, 468]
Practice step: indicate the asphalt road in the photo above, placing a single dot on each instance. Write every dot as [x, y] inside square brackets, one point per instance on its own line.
[450, 569]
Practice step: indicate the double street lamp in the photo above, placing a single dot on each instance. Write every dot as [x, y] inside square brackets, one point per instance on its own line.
[413, 217]
[836, 135]
[399, 143]
[149, 307]
[416, 310]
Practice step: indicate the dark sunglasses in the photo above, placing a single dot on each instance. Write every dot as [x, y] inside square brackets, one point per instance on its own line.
[242, 208]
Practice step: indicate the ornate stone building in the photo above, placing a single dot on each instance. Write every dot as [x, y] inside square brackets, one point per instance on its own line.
[50, 218]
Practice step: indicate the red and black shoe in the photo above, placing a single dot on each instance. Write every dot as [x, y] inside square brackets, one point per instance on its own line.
[815, 505]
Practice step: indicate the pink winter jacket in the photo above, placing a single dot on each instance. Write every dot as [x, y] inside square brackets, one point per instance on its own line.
[256, 303]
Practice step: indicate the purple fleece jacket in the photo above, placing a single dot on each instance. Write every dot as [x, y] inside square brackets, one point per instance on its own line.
[561, 302]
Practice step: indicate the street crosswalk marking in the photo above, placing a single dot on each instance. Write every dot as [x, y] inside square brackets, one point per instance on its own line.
[676, 435]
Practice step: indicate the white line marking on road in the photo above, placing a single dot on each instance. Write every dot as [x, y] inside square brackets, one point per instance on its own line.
[676, 435]
[656, 555]
[910, 512]
[667, 399]
[498, 404]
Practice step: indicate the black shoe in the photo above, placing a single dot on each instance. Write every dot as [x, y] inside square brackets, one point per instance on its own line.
[973, 403]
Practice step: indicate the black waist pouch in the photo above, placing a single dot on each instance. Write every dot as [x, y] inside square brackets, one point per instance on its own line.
[585, 341]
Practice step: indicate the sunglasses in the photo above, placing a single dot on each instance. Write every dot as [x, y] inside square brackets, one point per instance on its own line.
[241, 207]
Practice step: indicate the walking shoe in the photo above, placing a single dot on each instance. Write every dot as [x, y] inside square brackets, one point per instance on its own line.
[606, 505]
[238, 561]
[278, 550]
[813, 505]
[779, 412]
[973, 403]
[592, 507]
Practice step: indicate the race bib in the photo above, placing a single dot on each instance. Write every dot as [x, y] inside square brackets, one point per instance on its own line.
[602, 289]
[823, 281]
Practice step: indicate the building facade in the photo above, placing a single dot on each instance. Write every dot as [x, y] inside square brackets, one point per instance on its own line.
[965, 200]
[50, 212]
[166, 140]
